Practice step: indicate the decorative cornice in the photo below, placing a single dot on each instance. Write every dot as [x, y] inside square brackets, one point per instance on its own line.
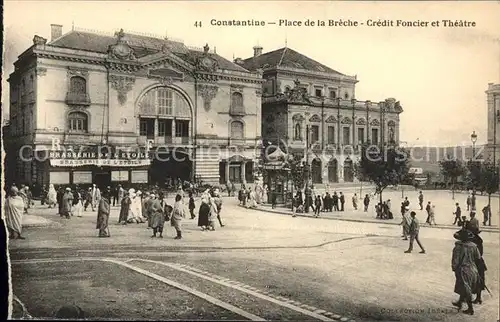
[331, 119]
[315, 118]
[77, 72]
[361, 121]
[375, 122]
[208, 93]
[346, 120]
[122, 84]
[121, 50]
[41, 71]
[237, 88]
[298, 117]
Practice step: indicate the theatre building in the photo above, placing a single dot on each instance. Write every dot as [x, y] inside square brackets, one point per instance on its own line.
[313, 111]
[132, 108]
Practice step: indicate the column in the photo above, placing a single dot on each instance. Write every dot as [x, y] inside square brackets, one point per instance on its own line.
[227, 171]
[243, 168]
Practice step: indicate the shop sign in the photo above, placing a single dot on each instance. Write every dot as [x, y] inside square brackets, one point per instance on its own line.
[100, 162]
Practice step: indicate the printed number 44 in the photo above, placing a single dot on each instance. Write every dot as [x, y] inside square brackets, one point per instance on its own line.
[197, 24]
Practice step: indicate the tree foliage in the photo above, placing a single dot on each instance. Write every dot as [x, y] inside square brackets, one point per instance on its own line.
[294, 163]
[473, 174]
[489, 178]
[383, 166]
[451, 169]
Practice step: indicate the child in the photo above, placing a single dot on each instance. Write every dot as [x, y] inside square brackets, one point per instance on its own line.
[192, 206]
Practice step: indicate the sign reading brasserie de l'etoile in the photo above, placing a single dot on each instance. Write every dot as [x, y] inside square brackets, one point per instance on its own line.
[99, 157]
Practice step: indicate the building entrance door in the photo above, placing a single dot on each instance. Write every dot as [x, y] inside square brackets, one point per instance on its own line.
[102, 178]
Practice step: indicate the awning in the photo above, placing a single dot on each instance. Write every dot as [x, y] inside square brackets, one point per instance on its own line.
[100, 162]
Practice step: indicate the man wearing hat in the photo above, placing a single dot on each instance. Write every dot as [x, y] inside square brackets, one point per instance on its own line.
[473, 227]
[457, 213]
[467, 280]
[413, 230]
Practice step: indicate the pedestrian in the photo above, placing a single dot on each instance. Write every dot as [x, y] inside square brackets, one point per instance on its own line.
[273, 199]
[23, 194]
[96, 196]
[342, 201]
[115, 195]
[212, 214]
[406, 222]
[469, 200]
[458, 214]
[428, 210]
[125, 208]
[355, 202]
[406, 202]
[317, 206]
[52, 196]
[335, 200]
[481, 267]
[204, 213]
[473, 224]
[463, 263]
[366, 202]
[192, 205]
[103, 212]
[473, 201]
[77, 203]
[178, 213]
[29, 197]
[67, 203]
[158, 210]
[421, 200]
[413, 230]
[486, 214]
[14, 211]
[432, 215]
[88, 199]
[218, 204]
[121, 193]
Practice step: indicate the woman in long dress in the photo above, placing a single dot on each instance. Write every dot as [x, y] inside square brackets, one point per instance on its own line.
[103, 215]
[251, 200]
[212, 214]
[124, 209]
[133, 216]
[203, 214]
[178, 214]
[463, 263]
[52, 196]
[14, 210]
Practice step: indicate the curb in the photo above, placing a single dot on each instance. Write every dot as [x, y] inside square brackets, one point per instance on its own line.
[491, 230]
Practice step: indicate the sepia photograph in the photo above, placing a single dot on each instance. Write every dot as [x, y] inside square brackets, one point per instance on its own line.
[251, 160]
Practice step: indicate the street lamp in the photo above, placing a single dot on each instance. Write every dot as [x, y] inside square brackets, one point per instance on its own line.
[473, 138]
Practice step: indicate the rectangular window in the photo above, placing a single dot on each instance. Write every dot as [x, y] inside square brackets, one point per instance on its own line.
[346, 135]
[165, 128]
[182, 128]
[59, 177]
[314, 133]
[82, 177]
[331, 135]
[165, 101]
[121, 175]
[333, 93]
[361, 135]
[374, 136]
[139, 176]
[147, 128]
[318, 92]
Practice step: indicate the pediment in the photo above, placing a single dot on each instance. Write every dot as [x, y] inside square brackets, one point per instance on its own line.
[315, 118]
[166, 72]
[162, 59]
[331, 119]
[298, 117]
[346, 120]
[391, 123]
[375, 122]
[361, 121]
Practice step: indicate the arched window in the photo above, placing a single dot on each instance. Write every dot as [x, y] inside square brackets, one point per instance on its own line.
[78, 122]
[237, 107]
[78, 85]
[237, 130]
[164, 101]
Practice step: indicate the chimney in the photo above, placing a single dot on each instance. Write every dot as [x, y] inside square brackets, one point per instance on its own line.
[257, 51]
[55, 31]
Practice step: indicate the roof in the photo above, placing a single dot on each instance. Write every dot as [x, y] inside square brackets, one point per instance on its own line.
[142, 45]
[286, 57]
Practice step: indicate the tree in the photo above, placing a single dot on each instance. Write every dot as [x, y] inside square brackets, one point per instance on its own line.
[473, 175]
[383, 166]
[490, 181]
[451, 169]
[294, 163]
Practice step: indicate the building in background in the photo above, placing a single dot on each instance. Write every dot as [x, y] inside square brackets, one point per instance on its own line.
[102, 108]
[306, 102]
[493, 101]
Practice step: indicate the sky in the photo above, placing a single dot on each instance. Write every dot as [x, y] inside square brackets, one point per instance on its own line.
[439, 74]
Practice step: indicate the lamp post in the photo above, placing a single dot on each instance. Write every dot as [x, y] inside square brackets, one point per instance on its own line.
[473, 138]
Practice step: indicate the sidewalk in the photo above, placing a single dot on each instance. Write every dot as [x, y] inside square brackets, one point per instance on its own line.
[38, 221]
[368, 217]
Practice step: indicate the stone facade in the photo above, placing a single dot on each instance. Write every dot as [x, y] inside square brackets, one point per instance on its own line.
[493, 102]
[312, 111]
[132, 92]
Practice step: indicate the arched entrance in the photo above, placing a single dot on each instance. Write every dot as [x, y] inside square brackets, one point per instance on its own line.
[333, 175]
[348, 170]
[316, 171]
[168, 166]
